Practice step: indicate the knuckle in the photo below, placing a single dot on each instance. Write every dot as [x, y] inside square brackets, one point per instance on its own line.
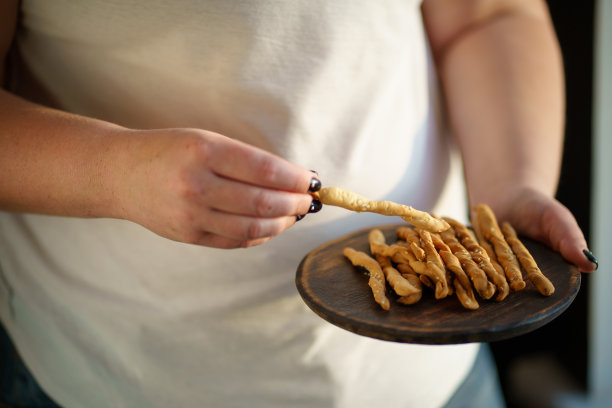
[268, 170]
[262, 203]
[254, 230]
[186, 189]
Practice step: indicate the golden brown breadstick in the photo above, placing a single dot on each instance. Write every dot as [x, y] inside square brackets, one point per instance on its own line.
[434, 264]
[451, 261]
[489, 228]
[377, 277]
[378, 246]
[428, 276]
[487, 247]
[535, 275]
[478, 277]
[410, 275]
[413, 241]
[400, 285]
[480, 256]
[465, 296]
[377, 241]
[410, 299]
[352, 201]
[427, 281]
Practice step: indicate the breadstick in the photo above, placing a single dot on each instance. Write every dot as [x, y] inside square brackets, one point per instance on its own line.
[377, 277]
[413, 241]
[487, 247]
[487, 223]
[434, 264]
[398, 253]
[451, 261]
[427, 281]
[478, 277]
[352, 201]
[480, 256]
[410, 299]
[465, 296]
[378, 245]
[535, 275]
[430, 277]
[410, 275]
[400, 285]
[377, 242]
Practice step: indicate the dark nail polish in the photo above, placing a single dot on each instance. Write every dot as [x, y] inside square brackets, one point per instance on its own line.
[315, 172]
[315, 185]
[315, 206]
[590, 257]
[299, 217]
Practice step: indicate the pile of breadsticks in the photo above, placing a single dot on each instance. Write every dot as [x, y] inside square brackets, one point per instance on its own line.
[441, 254]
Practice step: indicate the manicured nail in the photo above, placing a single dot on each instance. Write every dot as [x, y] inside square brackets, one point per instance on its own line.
[299, 217]
[315, 206]
[590, 257]
[315, 185]
[315, 172]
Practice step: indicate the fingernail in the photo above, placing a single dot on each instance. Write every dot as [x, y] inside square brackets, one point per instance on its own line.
[590, 257]
[299, 217]
[315, 172]
[315, 206]
[315, 185]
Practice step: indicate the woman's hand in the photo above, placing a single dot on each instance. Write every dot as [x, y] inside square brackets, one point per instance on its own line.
[188, 185]
[543, 218]
[203, 188]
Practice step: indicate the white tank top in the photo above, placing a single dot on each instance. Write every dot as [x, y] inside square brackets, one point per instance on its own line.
[108, 314]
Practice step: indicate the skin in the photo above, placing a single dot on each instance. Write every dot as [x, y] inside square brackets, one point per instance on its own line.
[501, 72]
[502, 75]
[189, 185]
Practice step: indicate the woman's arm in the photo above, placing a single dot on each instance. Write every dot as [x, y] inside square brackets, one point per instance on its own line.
[189, 185]
[501, 71]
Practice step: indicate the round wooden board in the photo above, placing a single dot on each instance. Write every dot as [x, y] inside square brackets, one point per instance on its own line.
[338, 292]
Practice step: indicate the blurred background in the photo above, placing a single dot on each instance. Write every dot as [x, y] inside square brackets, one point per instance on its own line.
[568, 363]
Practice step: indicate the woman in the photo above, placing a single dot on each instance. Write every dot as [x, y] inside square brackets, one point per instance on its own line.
[140, 139]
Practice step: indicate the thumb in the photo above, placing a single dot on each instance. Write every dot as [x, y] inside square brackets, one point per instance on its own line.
[563, 234]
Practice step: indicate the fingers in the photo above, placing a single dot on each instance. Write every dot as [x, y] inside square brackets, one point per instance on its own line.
[215, 191]
[232, 197]
[244, 230]
[257, 167]
[211, 240]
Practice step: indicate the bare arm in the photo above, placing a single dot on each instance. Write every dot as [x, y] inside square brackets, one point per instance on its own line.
[189, 185]
[501, 70]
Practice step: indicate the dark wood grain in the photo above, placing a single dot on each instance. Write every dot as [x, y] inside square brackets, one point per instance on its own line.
[339, 293]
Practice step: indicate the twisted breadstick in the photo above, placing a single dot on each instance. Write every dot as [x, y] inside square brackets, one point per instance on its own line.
[377, 277]
[480, 256]
[349, 200]
[489, 229]
[400, 285]
[535, 275]
[479, 278]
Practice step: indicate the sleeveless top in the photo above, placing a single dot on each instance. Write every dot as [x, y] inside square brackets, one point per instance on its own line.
[107, 314]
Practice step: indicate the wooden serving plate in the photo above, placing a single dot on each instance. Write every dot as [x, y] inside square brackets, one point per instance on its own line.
[339, 293]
